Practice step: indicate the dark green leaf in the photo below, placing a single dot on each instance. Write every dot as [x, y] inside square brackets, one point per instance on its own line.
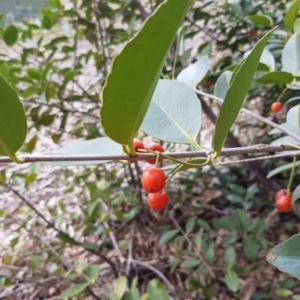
[291, 14]
[241, 220]
[176, 109]
[135, 72]
[11, 35]
[190, 224]
[232, 281]
[250, 248]
[167, 236]
[66, 238]
[277, 77]
[286, 256]
[235, 97]
[74, 290]
[13, 123]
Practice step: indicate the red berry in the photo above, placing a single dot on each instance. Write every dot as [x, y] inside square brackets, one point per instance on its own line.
[153, 179]
[276, 107]
[154, 147]
[249, 34]
[138, 144]
[279, 194]
[283, 204]
[209, 83]
[158, 201]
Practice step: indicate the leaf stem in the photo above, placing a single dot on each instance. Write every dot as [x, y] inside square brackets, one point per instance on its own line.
[291, 176]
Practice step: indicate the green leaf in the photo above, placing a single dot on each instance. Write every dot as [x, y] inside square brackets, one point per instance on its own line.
[283, 168]
[193, 74]
[167, 237]
[261, 20]
[66, 238]
[222, 84]
[174, 114]
[120, 286]
[198, 240]
[241, 220]
[296, 26]
[232, 281]
[290, 58]
[190, 263]
[91, 272]
[13, 123]
[290, 15]
[296, 194]
[99, 146]
[11, 35]
[250, 248]
[286, 256]
[235, 97]
[229, 257]
[190, 224]
[283, 292]
[157, 291]
[135, 72]
[277, 77]
[74, 290]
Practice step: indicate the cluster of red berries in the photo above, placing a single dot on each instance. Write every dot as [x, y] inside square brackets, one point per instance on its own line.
[276, 107]
[153, 178]
[283, 201]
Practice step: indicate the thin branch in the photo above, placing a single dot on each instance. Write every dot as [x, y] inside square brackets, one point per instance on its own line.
[140, 7]
[51, 225]
[260, 148]
[129, 257]
[197, 252]
[158, 273]
[255, 116]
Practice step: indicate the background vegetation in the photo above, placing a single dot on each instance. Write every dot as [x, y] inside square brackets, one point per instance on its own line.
[85, 232]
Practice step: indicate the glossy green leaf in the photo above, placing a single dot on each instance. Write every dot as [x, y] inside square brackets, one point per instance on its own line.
[74, 290]
[277, 77]
[290, 58]
[281, 169]
[99, 146]
[296, 194]
[261, 20]
[13, 123]
[11, 35]
[232, 281]
[174, 114]
[236, 94]
[91, 272]
[222, 84]
[167, 237]
[193, 74]
[241, 220]
[157, 291]
[286, 256]
[229, 257]
[291, 14]
[135, 72]
[120, 286]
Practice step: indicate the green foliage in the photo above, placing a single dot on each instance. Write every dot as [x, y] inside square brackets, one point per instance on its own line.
[13, 123]
[235, 96]
[123, 109]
